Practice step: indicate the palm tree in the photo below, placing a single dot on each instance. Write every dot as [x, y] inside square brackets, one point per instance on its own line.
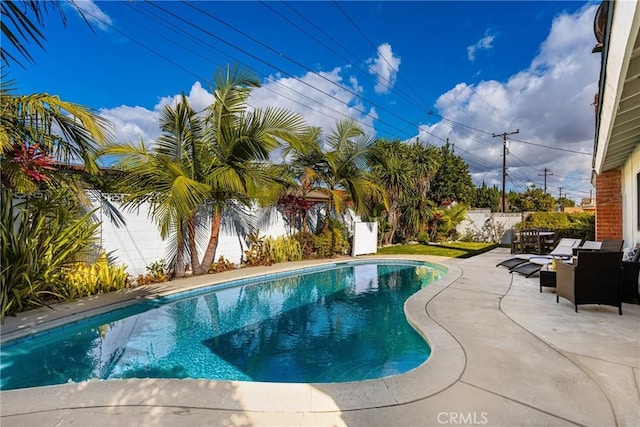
[169, 176]
[38, 130]
[339, 170]
[207, 163]
[21, 22]
[405, 171]
[240, 143]
[394, 171]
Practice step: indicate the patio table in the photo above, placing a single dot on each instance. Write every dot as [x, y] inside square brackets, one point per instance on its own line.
[547, 277]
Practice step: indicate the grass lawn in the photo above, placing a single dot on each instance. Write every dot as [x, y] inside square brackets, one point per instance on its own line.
[449, 249]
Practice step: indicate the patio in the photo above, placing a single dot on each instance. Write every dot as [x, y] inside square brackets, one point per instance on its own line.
[504, 354]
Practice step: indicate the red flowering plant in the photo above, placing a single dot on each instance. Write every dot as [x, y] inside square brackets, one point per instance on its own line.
[295, 209]
[32, 160]
[25, 166]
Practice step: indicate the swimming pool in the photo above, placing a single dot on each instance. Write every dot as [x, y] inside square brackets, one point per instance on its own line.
[343, 322]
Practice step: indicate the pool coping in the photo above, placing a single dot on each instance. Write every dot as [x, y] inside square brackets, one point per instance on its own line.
[441, 370]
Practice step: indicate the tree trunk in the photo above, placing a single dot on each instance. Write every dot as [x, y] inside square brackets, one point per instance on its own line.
[178, 270]
[325, 222]
[193, 249]
[392, 217]
[210, 253]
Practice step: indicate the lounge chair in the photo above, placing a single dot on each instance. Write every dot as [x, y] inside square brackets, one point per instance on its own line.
[535, 264]
[596, 278]
[564, 249]
[607, 245]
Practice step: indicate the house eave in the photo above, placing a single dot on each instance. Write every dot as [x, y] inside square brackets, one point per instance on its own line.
[618, 124]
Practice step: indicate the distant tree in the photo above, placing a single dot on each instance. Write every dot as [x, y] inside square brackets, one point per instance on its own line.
[536, 200]
[513, 201]
[452, 182]
[566, 202]
[487, 197]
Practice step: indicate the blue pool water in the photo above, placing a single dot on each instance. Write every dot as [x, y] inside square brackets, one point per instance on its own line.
[339, 323]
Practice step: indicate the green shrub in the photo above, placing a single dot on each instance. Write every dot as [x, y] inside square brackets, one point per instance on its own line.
[322, 244]
[283, 249]
[423, 237]
[577, 225]
[47, 234]
[256, 254]
[326, 245]
[307, 246]
[221, 265]
[82, 279]
[157, 272]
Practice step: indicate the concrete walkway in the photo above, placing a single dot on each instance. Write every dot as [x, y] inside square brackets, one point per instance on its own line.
[503, 354]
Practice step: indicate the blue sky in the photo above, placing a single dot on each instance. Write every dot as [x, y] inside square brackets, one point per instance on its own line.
[428, 70]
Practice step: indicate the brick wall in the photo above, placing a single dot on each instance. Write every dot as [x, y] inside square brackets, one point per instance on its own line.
[609, 205]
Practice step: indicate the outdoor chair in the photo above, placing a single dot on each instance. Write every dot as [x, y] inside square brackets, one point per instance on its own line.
[516, 243]
[530, 240]
[564, 249]
[611, 245]
[548, 240]
[595, 278]
[535, 264]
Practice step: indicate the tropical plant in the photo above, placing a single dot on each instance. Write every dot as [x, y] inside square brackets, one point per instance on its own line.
[283, 248]
[21, 23]
[257, 254]
[205, 165]
[392, 167]
[405, 171]
[221, 265]
[41, 136]
[82, 279]
[38, 239]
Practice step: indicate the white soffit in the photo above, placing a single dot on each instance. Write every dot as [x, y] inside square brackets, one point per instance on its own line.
[619, 131]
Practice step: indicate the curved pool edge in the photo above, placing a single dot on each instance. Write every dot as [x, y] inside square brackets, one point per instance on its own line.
[443, 368]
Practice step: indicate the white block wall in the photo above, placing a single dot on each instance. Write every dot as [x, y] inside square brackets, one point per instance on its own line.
[476, 218]
[138, 243]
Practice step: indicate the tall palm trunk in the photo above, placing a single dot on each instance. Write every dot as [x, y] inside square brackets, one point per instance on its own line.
[210, 253]
[178, 271]
[196, 268]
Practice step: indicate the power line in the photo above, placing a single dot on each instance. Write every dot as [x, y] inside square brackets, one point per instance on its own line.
[455, 126]
[553, 148]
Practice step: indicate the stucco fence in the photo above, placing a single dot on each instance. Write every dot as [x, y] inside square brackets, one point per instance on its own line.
[137, 242]
[480, 220]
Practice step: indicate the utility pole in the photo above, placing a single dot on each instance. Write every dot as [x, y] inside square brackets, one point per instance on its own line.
[560, 201]
[546, 172]
[504, 163]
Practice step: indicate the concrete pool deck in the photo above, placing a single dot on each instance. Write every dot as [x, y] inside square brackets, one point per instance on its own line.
[503, 354]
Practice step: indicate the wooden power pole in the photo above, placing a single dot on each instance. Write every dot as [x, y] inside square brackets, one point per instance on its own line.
[546, 172]
[504, 163]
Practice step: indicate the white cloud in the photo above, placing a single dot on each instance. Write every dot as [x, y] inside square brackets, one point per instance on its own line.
[92, 13]
[385, 67]
[322, 98]
[199, 98]
[549, 102]
[133, 124]
[484, 43]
